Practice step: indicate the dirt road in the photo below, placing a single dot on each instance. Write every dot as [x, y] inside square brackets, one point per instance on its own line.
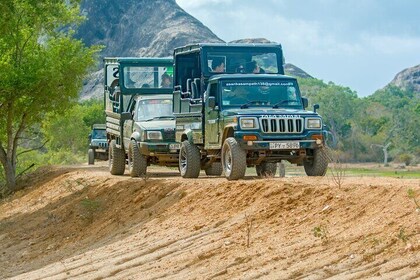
[82, 223]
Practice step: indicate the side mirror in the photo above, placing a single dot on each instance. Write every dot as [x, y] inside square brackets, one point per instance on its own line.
[212, 102]
[125, 116]
[305, 102]
[316, 107]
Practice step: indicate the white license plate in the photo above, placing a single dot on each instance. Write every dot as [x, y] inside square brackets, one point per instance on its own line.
[174, 146]
[284, 145]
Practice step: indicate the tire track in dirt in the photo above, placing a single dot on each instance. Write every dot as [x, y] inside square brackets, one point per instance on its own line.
[172, 228]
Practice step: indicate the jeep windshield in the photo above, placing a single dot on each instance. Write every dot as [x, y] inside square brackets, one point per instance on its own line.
[152, 109]
[260, 93]
[147, 77]
[242, 60]
[99, 134]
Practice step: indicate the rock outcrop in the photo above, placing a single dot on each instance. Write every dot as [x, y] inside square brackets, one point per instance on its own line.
[144, 28]
[295, 71]
[141, 27]
[137, 28]
[408, 79]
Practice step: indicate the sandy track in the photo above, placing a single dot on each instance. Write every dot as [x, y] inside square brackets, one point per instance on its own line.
[82, 223]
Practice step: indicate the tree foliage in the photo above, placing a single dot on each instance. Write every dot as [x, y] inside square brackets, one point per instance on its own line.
[42, 67]
[69, 130]
[390, 115]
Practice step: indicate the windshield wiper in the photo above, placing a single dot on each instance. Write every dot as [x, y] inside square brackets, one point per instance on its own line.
[159, 118]
[284, 101]
[246, 105]
[164, 117]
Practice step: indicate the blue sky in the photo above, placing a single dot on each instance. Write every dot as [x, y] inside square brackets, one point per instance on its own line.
[361, 44]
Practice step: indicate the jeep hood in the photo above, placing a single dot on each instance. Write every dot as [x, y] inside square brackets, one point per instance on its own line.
[156, 124]
[267, 111]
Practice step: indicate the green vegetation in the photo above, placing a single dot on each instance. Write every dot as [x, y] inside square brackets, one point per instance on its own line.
[321, 232]
[382, 173]
[364, 126]
[42, 68]
[412, 195]
[88, 209]
[68, 131]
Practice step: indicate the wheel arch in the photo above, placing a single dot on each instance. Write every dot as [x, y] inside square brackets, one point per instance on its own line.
[227, 132]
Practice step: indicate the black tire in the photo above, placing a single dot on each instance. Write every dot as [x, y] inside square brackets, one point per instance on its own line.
[233, 159]
[318, 165]
[91, 156]
[116, 159]
[137, 163]
[189, 160]
[282, 169]
[216, 169]
[266, 169]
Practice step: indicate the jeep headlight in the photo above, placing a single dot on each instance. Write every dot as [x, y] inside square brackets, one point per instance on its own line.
[247, 123]
[313, 123]
[154, 135]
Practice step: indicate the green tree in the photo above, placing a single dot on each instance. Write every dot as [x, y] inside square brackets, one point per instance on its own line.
[42, 68]
[69, 130]
[402, 107]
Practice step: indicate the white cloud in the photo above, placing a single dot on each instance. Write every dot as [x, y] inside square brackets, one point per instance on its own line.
[357, 44]
[387, 44]
[296, 34]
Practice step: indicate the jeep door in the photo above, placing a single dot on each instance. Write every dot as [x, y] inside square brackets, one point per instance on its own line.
[211, 118]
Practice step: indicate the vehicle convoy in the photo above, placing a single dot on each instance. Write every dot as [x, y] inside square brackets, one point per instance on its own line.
[140, 124]
[248, 114]
[98, 144]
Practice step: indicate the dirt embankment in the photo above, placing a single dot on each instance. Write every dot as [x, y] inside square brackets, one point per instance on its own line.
[83, 223]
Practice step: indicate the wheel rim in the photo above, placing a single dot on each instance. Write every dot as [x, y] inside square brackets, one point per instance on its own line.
[183, 161]
[228, 161]
[111, 159]
[130, 159]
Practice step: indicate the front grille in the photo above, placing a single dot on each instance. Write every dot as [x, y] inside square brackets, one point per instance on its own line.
[103, 145]
[281, 125]
[169, 134]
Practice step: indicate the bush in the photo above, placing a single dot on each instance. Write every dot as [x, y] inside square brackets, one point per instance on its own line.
[405, 158]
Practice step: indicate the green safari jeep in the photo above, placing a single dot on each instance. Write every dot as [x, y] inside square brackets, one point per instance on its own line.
[228, 121]
[98, 144]
[139, 120]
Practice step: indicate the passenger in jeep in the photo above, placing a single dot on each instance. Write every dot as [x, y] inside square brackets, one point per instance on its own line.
[252, 67]
[218, 65]
[166, 81]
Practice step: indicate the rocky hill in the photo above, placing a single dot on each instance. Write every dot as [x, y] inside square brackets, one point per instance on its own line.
[137, 28]
[408, 78]
[144, 28]
[295, 71]
[140, 28]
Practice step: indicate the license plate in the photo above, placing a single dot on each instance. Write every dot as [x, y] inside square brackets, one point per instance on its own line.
[284, 145]
[174, 146]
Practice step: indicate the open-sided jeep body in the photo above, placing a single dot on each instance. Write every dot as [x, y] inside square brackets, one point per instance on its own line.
[98, 144]
[139, 120]
[232, 120]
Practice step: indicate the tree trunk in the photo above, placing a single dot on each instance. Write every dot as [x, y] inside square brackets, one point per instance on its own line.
[385, 150]
[10, 173]
[8, 169]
